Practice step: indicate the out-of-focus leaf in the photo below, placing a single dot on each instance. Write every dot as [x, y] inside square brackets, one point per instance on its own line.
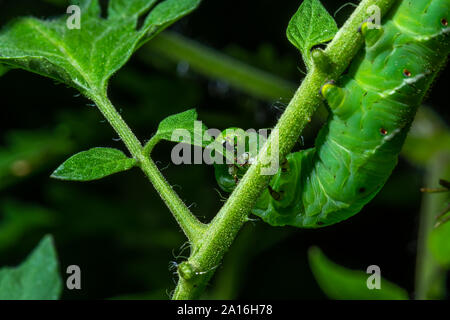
[428, 136]
[310, 26]
[3, 69]
[186, 121]
[439, 243]
[93, 164]
[262, 58]
[86, 57]
[57, 2]
[37, 278]
[344, 284]
[18, 219]
[27, 151]
[439, 238]
[173, 47]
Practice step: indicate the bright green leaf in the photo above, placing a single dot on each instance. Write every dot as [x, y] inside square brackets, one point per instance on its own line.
[168, 12]
[93, 164]
[341, 283]
[169, 128]
[119, 9]
[311, 25]
[86, 58]
[37, 278]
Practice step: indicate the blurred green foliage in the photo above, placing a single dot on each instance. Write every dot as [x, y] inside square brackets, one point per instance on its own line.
[428, 137]
[19, 219]
[3, 70]
[439, 238]
[440, 244]
[25, 152]
[344, 284]
[118, 230]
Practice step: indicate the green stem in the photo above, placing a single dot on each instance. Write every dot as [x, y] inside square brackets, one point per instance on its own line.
[190, 225]
[148, 148]
[430, 276]
[216, 65]
[224, 227]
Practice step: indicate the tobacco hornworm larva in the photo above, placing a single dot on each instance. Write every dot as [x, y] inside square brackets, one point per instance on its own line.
[371, 110]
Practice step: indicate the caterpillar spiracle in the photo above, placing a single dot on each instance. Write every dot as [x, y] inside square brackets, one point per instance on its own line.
[371, 110]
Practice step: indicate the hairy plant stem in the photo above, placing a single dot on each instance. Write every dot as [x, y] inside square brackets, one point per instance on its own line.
[148, 147]
[430, 276]
[190, 225]
[224, 227]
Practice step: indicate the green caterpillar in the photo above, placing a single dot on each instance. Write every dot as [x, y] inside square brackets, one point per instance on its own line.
[371, 110]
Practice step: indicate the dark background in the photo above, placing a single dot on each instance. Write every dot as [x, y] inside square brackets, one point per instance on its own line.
[119, 231]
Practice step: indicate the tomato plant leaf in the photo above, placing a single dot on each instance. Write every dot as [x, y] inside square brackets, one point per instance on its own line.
[167, 129]
[37, 278]
[311, 25]
[168, 12]
[87, 57]
[93, 164]
[341, 283]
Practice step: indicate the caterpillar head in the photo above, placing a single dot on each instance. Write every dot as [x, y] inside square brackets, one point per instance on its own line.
[239, 149]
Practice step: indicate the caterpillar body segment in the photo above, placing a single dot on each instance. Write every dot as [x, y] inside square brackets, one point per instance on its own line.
[371, 110]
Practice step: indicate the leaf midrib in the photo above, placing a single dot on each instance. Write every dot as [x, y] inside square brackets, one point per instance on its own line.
[62, 48]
